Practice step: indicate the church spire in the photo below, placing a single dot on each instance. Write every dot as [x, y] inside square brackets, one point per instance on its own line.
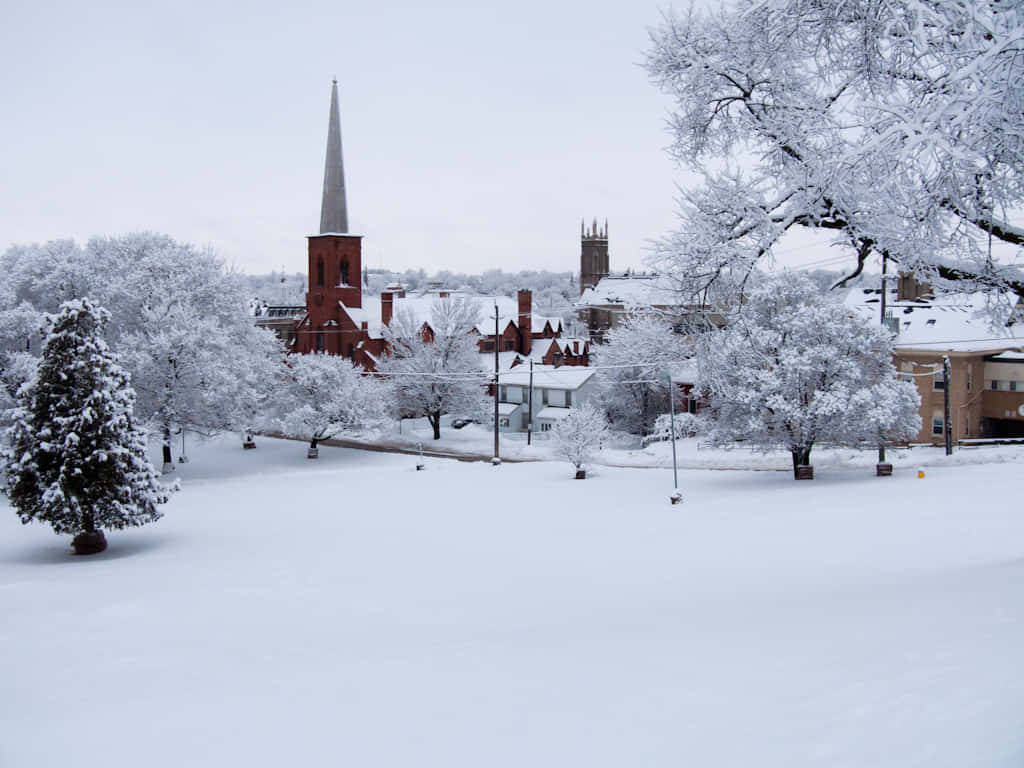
[333, 212]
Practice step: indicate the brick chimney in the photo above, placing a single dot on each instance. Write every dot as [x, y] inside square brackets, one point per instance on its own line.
[525, 321]
[909, 288]
[387, 307]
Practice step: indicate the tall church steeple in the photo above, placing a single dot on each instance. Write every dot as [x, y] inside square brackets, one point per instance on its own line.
[333, 211]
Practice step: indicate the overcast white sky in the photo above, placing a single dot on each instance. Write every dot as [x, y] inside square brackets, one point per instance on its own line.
[474, 135]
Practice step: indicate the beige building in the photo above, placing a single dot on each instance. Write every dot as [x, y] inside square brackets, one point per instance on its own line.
[986, 383]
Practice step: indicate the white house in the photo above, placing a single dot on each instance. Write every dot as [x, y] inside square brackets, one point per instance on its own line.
[555, 391]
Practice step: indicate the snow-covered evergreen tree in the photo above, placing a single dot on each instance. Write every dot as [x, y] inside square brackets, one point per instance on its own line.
[579, 436]
[795, 368]
[76, 458]
[328, 395]
[634, 392]
[437, 371]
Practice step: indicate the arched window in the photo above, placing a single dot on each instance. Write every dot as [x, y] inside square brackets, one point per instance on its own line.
[320, 272]
[343, 271]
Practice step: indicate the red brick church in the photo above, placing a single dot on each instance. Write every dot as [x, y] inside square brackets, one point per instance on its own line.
[337, 321]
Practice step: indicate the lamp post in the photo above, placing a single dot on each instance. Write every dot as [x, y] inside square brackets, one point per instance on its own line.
[676, 496]
[496, 459]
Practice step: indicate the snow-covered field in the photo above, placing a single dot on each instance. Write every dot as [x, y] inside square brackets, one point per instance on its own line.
[692, 453]
[352, 611]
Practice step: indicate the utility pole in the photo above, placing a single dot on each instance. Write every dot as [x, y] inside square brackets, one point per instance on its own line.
[529, 416]
[885, 264]
[497, 456]
[672, 417]
[945, 387]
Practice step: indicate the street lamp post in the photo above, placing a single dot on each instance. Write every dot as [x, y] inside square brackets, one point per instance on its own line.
[676, 496]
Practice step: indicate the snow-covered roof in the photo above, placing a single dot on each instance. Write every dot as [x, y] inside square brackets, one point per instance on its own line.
[569, 377]
[565, 344]
[551, 412]
[419, 305]
[685, 372]
[507, 409]
[1008, 357]
[949, 322]
[630, 291]
[356, 315]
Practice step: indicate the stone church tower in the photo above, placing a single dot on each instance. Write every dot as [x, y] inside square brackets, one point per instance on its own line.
[593, 254]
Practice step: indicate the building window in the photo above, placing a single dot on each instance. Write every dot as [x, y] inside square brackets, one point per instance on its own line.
[543, 397]
[488, 346]
[319, 341]
[1013, 386]
[509, 345]
[938, 426]
[568, 399]
[995, 385]
[545, 426]
[343, 272]
[938, 383]
[970, 377]
[320, 272]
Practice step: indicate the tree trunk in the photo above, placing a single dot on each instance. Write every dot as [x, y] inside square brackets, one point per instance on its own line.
[801, 457]
[167, 445]
[435, 422]
[88, 523]
[312, 444]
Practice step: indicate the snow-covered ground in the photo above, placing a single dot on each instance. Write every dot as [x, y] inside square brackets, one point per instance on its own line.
[692, 453]
[353, 611]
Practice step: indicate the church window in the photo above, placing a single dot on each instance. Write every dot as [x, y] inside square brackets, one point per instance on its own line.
[510, 345]
[319, 341]
[343, 272]
[320, 272]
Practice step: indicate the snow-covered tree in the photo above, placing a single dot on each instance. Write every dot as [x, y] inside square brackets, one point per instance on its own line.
[896, 125]
[327, 395]
[19, 324]
[180, 322]
[794, 369]
[580, 435]
[686, 425]
[635, 392]
[77, 460]
[436, 370]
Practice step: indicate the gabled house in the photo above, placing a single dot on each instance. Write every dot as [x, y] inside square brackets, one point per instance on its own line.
[554, 392]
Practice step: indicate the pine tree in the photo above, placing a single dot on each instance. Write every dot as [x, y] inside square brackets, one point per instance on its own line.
[76, 459]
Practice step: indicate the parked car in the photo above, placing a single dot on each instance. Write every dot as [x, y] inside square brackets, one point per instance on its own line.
[460, 423]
